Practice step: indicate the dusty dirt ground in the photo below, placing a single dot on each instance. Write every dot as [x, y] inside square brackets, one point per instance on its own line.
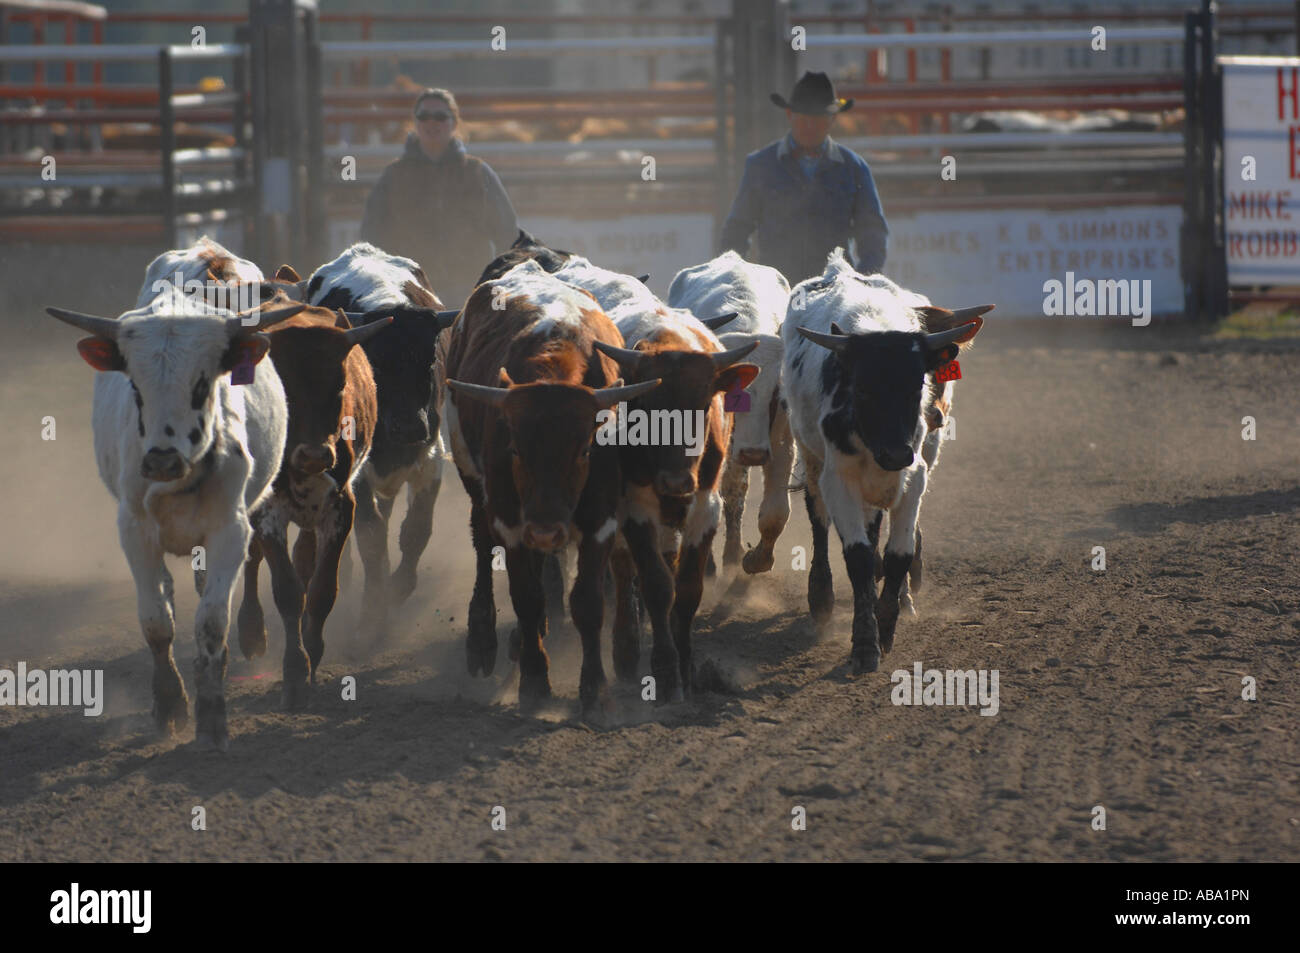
[1120, 688]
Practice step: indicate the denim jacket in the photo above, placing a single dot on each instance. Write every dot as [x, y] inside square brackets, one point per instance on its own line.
[799, 221]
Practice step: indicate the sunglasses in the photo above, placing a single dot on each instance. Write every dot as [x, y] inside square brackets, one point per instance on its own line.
[436, 117]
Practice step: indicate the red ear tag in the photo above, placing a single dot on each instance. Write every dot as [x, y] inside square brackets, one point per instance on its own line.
[948, 372]
[736, 400]
[242, 373]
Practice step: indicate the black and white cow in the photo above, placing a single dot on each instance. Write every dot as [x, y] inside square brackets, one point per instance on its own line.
[407, 449]
[757, 296]
[188, 455]
[856, 362]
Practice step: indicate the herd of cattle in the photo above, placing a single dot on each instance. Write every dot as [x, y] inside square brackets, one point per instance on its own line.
[212, 451]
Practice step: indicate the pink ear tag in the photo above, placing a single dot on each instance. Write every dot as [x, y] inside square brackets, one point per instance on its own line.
[736, 400]
[242, 373]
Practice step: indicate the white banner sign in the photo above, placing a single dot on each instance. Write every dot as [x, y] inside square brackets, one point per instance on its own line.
[1011, 257]
[1261, 168]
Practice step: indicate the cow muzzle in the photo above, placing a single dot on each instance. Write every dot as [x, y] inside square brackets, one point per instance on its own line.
[894, 458]
[674, 483]
[310, 459]
[753, 457]
[162, 466]
[546, 537]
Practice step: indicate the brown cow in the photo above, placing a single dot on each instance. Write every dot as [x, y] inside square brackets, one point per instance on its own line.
[671, 487]
[332, 404]
[525, 395]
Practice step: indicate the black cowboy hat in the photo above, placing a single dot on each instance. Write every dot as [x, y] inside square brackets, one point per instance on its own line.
[815, 94]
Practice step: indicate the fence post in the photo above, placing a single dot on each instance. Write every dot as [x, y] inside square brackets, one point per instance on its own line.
[167, 145]
[1191, 250]
[316, 223]
[1215, 264]
[280, 126]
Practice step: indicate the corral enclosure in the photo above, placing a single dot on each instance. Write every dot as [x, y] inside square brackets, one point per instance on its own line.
[1121, 686]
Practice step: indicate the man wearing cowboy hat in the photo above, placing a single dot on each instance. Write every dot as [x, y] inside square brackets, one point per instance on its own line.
[805, 194]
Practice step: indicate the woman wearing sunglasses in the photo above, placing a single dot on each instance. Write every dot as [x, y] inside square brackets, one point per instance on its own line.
[440, 205]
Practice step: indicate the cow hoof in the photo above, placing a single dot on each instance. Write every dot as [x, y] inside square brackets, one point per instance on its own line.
[401, 586]
[533, 689]
[171, 716]
[210, 724]
[212, 740]
[757, 560]
[865, 660]
[821, 603]
[252, 633]
[627, 659]
[886, 623]
[295, 694]
[667, 686]
[593, 692]
[481, 655]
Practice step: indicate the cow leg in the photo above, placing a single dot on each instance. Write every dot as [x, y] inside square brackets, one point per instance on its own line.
[304, 555]
[481, 643]
[417, 527]
[627, 628]
[226, 552]
[735, 486]
[821, 592]
[287, 589]
[372, 547]
[587, 608]
[332, 531]
[915, 575]
[851, 517]
[524, 567]
[555, 583]
[251, 621]
[156, 609]
[898, 554]
[657, 590]
[774, 512]
[697, 538]
[200, 580]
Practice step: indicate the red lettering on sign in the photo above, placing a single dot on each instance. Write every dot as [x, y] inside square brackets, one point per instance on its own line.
[1283, 94]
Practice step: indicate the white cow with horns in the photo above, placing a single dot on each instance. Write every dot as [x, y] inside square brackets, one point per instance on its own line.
[858, 360]
[187, 454]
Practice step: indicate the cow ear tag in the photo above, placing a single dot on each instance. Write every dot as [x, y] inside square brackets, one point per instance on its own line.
[242, 373]
[948, 372]
[736, 400]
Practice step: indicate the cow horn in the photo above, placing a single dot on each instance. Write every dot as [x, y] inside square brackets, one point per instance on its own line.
[644, 279]
[355, 318]
[367, 331]
[714, 323]
[966, 315]
[607, 397]
[626, 359]
[446, 319]
[100, 327]
[265, 318]
[938, 340]
[495, 396]
[724, 359]
[836, 342]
